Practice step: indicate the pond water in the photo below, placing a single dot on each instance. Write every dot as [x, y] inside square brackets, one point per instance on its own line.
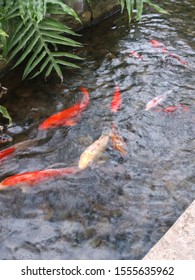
[120, 207]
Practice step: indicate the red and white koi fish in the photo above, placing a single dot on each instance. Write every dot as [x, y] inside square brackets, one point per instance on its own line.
[158, 44]
[116, 100]
[135, 54]
[35, 177]
[67, 117]
[172, 109]
[182, 61]
[118, 142]
[158, 100]
[155, 102]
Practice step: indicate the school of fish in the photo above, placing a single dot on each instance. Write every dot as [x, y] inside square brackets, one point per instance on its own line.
[70, 117]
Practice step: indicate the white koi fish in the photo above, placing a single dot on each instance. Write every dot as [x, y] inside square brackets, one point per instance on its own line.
[158, 100]
[94, 151]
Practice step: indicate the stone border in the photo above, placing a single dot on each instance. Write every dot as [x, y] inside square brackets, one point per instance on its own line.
[178, 243]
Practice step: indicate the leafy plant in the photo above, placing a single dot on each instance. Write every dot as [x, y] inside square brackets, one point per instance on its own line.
[38, 36]
[35, 36]
[5, 113]
[130, 4]
[3, 110]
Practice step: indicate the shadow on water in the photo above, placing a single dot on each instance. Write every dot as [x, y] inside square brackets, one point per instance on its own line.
[119, 208]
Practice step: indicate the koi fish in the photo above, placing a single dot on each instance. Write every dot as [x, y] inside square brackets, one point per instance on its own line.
[172, 109]
[158, 100]
[35, 177]
[155, 102]
[182, 61]
[17, 147]
[94, 151]
[116, 100]
[7, 152]
[67, 117]
[118, 141]
[156, 43]
[136, 54]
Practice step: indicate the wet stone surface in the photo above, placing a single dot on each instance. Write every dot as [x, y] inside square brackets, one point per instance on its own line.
[119, 208]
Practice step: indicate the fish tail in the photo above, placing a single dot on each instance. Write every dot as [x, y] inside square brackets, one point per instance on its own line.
[84, 103]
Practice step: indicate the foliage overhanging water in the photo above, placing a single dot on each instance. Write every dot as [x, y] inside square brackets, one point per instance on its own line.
[119, 208]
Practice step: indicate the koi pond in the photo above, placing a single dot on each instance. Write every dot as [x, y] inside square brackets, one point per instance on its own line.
[119, 206]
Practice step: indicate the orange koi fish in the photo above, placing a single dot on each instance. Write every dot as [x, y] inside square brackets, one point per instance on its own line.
[17, 147]
[36, 177]
[136, 54]
[7, 152]
[118, 141]
[116, 100]
[67, 117]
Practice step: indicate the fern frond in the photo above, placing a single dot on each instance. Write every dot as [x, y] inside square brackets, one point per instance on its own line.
[34, 33]
[139, 7]
[129, 4]
[156, 7]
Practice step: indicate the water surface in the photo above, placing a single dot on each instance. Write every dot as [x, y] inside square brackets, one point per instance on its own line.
[119, 208]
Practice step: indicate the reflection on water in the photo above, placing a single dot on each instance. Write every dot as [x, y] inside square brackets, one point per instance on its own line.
[120, 207]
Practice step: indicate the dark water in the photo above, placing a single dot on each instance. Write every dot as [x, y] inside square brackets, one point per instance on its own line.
[120, 208]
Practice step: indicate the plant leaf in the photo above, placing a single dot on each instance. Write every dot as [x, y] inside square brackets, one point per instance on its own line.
[5, 113]
[157, 7]
[139, 7]
[36, 62]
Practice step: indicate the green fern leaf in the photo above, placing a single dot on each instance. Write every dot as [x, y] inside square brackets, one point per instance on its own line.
[22, 44]
[67, 10]
[66, 63]
[156, 7]
[66, 54]
[53, 25]
[28, 50]
[49, 71]
[46, 35]
[42, 68]
[35, 63]
[37, 50]
[14, 41]
[139, 7]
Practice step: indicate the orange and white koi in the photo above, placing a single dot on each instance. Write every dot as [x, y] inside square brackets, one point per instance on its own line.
[116, 100]
[35, 177]
[69, 116]
[94, 151]
[118, 142]
[135, 54]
